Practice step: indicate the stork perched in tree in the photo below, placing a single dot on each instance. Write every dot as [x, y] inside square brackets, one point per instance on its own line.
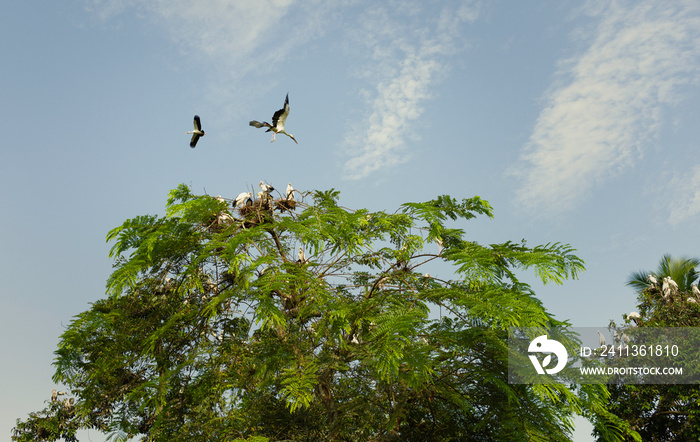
[290, 192]
[243, 198]
[278, 120]
[54, 395]
[696, 291]
[266, 188]
[625, 339]
[197, 132]
[672, 283]
[601, 339]
[634, 316]
[301, 256]
[653, 281]
[666, 288]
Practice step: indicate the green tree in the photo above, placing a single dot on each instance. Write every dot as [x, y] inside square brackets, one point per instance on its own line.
[296, 321]
[659, 412]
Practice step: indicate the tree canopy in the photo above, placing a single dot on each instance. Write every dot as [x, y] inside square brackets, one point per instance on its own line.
[305, 320]
[684, 271]
[663, 412]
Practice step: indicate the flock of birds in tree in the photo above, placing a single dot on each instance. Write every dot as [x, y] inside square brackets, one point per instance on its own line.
[279, 118]
[277, 126]
[246, 198]
[668, 287]
[68, 403]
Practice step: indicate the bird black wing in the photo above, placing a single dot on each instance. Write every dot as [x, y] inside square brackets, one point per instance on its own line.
[193, 141]
[280, 116]
[197, 123]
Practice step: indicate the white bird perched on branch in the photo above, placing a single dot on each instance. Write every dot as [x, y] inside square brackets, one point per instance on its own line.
[290, 192]
[266, 187]
[601, 339]
[672, 283]
[634, 316]
[278, 120]
[625, 339]
[197, 133]
[666, 288]
[243, 198]
[54, 395]
[696, 291]
[301, 256]
[653, 281]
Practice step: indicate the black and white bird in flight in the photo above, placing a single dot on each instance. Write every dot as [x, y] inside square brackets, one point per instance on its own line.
[197, 132]
[278, 120]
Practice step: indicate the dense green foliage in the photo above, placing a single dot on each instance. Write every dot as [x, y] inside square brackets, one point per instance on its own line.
[214, 328]
[663, 412]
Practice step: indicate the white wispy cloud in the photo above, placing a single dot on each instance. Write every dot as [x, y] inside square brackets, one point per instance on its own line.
[685, 201]
[241, 43]
[214, 28]
[609, 104]
[407, 57]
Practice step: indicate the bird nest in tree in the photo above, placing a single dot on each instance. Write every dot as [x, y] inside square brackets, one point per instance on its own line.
[257, 213]
[283, 204]
[221, 220]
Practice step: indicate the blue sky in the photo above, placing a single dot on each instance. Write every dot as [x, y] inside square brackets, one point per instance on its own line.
[576, 120]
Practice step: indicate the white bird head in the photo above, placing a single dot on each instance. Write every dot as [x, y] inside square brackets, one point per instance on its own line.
[634, 316]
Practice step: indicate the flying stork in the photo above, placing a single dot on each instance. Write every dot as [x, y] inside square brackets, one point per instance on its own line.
[278, 119]
[197, 132]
